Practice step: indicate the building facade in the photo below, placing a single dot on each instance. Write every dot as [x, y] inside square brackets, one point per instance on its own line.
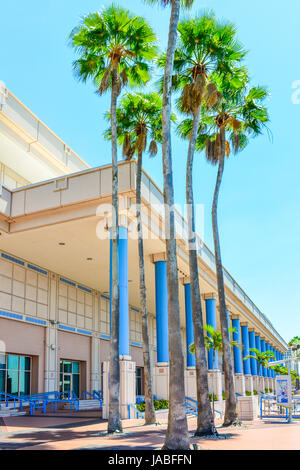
[55, 215]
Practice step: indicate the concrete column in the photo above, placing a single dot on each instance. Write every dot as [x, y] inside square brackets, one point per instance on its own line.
[123, 291]
[211, 319]
[51, 378]
[95, 364]
[237, 355]
[161, 300]
[246, 362]
[161, 370]
[258, 346]
[191, 359]
[253, 362]
[127, 387]
[268, 348]
[263, 349]
[214, 374]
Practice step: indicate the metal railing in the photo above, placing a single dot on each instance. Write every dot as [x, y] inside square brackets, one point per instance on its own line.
[41, 401]
[95, 395]
[136, 413]
[191, 407]
[269, 408]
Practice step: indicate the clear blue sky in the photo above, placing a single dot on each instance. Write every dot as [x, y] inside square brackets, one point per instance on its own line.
[259, 208]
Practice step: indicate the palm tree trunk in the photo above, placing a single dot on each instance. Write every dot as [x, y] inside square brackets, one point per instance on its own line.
[205, 417]
[177, 436]
[213, 390]
[114, 420]
[231, 404]
[150, 416]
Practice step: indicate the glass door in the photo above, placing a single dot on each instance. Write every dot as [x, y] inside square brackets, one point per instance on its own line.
[69, 380]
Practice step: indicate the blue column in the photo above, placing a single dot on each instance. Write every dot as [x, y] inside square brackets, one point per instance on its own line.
[123, 291]
[272, 360]
[237, 354]
[228, 323]
[253, 362]
[263, 349]
[191, 359]
[268, 371]
[258, 346]
[211, 319]
[245, 343]
[161, 299]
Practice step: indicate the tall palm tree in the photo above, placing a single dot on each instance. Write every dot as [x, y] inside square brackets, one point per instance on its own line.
[139, 118]
[177, 436]
[204, 47]
[238, 115]
[262, 358]
[241, 114]
[115, 47]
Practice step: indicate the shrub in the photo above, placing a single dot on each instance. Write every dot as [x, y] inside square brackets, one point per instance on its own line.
[271, 390]
[215, 397]
[158, 405]
[248, 394]
[224, 395]
[255, 392]
[266, 390]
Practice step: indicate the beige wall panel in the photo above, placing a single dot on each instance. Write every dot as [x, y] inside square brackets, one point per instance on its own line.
[41, 198]
[81, 188]
[104, 350]
[137, 356]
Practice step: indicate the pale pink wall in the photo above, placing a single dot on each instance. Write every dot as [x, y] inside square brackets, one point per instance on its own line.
[104, 350]
[23, 338]
[137, 356]
[77, 348]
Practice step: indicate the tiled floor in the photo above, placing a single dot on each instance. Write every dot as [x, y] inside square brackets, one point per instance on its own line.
[85, 431]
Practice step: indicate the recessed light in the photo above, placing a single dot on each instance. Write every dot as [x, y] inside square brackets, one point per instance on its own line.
[89, 259]
[62, 243]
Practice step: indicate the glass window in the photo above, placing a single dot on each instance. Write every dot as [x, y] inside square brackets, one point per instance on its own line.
[13, 382]
[75, 387]
[12, 362]
[67, 366]
[75, 367]
[24, 363]
[24, 383]
[15, 377]
[2, 381]
[2, 361]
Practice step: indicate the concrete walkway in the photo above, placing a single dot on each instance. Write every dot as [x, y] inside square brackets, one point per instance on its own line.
[84, 430]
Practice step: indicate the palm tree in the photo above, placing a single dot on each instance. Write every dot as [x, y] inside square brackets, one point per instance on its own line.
[204, 47]
[214, 341]
[177, 436]
[238, 112]
[262, 358]
[241, 114]
[115, 47]
[139, 117]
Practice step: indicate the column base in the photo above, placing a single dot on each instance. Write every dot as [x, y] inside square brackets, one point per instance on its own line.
[248, 408]
[127, 388]
[161, 380]
[249, 383]
[239, 384]
[190, 383]
[255, 379]
[215, 383]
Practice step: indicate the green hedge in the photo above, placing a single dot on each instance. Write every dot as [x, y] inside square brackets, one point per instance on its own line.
[248, 394]
[158, 405]
[255, 392]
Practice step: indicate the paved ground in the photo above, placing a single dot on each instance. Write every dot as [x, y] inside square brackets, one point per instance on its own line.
[84, 430]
